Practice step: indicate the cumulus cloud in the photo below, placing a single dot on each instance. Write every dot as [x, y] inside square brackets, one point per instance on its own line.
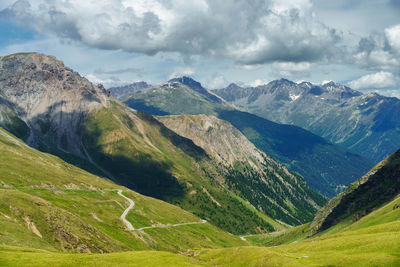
[380, 50]
[258, 82]
[181, 71]
[249, 32]
[377, 80]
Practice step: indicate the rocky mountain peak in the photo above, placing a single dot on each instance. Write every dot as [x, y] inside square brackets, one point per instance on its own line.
[281, 82]
[196, 86]
[35, 81]
[233, 86]
[188, 82]
[51, 98]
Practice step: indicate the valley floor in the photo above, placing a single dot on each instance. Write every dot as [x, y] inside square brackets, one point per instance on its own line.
[372, 241]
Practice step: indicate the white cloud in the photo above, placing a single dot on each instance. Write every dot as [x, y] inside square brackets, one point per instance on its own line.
[393, 36]
[181, 71]
[249, 32]
[258, 82]
[280, 6]
[377, 80]
[292, 66]
[325, 82]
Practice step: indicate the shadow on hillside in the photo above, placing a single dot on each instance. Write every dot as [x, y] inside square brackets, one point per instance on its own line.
[135, 170]
[141, 105]
[10, 120]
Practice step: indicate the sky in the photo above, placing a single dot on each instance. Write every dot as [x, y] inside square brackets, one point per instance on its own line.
[249, 42]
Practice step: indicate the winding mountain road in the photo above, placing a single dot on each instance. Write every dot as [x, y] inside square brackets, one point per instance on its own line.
[131, 228]
[123, 216]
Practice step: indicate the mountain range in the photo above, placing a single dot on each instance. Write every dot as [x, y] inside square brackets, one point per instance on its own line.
[326, 167]
[368, 124]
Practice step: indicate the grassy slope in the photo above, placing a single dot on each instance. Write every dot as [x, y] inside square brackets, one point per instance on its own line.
[371, 241]
[378, 186]
[49, 204]
[325, 166]
[14, 256]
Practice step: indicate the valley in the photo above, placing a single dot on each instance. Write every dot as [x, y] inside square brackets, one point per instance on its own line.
[174, 175]
[303, 152]
[235, 133]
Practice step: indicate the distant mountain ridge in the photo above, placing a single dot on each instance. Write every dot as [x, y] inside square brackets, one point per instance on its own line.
[121, 91]
[368, 124]
[327, 168]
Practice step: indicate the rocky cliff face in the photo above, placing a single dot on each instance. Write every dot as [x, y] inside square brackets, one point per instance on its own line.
[49, 97]
[218, 138]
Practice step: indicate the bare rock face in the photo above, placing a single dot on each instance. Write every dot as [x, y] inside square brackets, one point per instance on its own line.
[218, 138]
[52, 99]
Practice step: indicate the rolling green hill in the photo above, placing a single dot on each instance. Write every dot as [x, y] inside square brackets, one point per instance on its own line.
[327, 168]
[46, 203]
